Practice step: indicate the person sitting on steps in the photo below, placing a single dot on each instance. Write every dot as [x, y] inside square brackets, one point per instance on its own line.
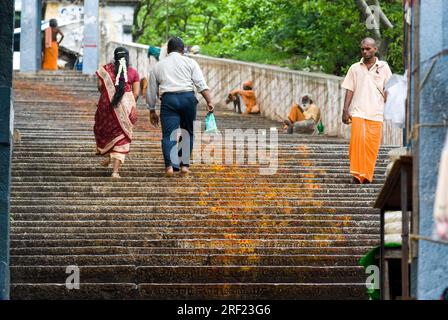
[244, 100]
[303, 119]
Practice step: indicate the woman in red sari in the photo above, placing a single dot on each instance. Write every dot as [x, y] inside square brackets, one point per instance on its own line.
[116, 114]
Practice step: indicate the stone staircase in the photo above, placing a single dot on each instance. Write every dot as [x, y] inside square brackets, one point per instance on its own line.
[225, 232]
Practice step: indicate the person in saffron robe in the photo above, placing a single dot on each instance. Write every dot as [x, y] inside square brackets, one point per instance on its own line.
[303, 119]
[244, 99]
[116, 115]
[364, 83]
[51, 49]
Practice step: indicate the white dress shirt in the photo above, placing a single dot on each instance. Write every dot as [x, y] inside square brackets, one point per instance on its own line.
[175, 73]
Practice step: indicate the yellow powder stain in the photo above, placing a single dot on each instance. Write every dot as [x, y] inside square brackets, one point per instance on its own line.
[217, 167]
[253, 258]
[305, 163]
[270, 195]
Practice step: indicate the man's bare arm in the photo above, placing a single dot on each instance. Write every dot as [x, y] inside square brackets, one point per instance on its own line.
[136, 90]
[208, 99]
[347, 103]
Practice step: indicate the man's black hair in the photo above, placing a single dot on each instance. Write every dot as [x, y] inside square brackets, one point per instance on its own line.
[175, 44]
[53, 23]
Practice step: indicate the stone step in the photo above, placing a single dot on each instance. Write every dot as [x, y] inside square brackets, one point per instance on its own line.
[105, 203]
[234, 230]
[189, 274]
[281, 174]
[82, 188]
[195, 243]
[140, 195]
[139, 164]
[109, 250]
[195, 179]
[184, 235]
[193, 291]
[187, 260]
[60, 146]
[197, 209]
[124, 184]
[192, 217]
[30, 192]
[198, 223]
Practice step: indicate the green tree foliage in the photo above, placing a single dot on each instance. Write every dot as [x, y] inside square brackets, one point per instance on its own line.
[315, 35]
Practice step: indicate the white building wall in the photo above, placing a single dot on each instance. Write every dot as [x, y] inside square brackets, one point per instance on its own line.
[70, 17]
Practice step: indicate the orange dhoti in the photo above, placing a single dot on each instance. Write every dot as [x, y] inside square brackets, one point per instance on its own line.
[295, 114]
[364, 146]
[51, 57]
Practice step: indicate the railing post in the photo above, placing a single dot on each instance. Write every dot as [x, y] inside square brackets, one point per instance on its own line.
[30, 36]
[91, 37]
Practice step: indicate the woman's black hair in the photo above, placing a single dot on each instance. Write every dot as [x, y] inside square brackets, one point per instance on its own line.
[119, 53]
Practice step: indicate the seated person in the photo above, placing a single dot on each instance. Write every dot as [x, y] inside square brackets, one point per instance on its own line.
[303, 119]
[244, 99]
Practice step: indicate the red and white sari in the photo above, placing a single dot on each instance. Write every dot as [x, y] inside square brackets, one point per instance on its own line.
[113, 126]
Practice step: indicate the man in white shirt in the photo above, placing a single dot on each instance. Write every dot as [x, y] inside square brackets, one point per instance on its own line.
[364, 83]
[175, 78]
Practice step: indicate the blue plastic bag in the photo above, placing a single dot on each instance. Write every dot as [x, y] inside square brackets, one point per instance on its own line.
[210, 123]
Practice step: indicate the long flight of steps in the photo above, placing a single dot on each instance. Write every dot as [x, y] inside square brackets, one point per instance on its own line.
[224, 232]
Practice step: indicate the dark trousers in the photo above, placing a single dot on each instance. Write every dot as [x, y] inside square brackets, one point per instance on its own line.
[178, 110]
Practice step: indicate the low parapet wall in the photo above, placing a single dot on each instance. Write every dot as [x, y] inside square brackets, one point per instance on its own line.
[277, 88]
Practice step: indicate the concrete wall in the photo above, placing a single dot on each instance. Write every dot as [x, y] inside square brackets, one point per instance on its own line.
[112, 19]
[277, 88]
[432, 271]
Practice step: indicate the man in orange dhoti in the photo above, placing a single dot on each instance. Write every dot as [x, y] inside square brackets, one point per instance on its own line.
[244, 98]
[364, 84]
[302, 119]
[51, 50]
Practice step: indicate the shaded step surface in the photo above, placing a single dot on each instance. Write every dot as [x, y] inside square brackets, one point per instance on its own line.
[224, 232]
[193, 291]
